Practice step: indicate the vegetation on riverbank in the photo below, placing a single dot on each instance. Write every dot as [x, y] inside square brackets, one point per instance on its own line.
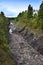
[33, 19]
[4, 48]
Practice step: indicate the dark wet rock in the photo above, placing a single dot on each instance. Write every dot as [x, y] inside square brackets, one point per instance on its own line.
[26, 48]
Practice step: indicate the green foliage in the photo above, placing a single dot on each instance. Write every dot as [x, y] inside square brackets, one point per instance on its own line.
[4, 48]
[41, 24]
[4, 58]
[40, 13]
[21, 19]
[35, 15]
[33, 19]
[30, 11]
[2, 13]
[40, 16]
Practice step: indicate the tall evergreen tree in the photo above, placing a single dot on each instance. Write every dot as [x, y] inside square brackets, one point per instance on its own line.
[30, 11]
[2, 13]
[40, 13]
[40, 16]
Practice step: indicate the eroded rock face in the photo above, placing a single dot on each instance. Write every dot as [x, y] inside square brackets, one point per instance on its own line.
[24, 46]
[35, 41]
[23, 53]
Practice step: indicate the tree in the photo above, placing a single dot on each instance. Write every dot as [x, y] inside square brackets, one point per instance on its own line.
[40, 16]
[30, 11]
[2, 13]
[19, 14]
[35, 15]
[40, 13]
[41, 24]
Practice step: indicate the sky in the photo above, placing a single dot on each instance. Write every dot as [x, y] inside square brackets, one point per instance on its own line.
[12, 8]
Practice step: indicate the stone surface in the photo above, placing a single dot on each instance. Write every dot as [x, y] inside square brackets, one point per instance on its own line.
[24, 47]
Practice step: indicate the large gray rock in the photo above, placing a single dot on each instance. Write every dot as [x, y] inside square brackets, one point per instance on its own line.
[24, 48]
[23, 53]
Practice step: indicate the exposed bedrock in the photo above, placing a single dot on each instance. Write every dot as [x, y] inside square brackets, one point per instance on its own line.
[26, 47]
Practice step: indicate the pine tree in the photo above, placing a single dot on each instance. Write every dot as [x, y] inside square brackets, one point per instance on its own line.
[30, 11]
[2, 13]
[40, 16]
[40, 13]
